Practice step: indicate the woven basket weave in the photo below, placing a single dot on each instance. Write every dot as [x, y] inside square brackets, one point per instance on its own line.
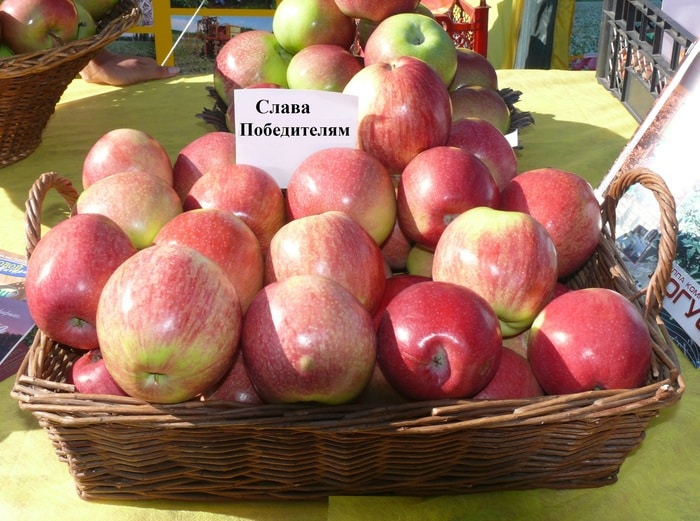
[32, 83]
[124, 448]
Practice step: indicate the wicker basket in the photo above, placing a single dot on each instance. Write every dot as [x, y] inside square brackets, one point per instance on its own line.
[32, 83]
[124, 448]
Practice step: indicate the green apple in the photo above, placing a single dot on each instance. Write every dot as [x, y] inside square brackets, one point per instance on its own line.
[417, 35]
[86, 23]
[5, 51]
[98, 9]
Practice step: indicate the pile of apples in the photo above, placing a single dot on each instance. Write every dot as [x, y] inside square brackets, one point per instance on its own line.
[381, 273]
[37, 25]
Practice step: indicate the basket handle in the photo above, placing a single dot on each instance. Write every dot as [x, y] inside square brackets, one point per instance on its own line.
[35, 202]
[668, 228]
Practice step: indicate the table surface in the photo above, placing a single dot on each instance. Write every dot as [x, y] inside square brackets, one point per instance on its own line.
[578, 126]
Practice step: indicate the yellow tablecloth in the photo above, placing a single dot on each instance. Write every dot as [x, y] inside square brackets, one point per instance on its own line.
[579, 126]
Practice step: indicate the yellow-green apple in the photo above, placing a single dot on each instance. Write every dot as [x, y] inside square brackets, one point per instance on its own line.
[98, 9]
[89, 374]
[246, 191]
[374, 10]
[248, 58]
[211, 151]
[483, 103]
[473, 69]
[513, 380]
[333, 245]
[5, 51]
[365, 27]
[225, 239]
[86, 23]
[300, 23]
[589, 339]
[485, 141]
[566, 205]
[168, 323]
[235, 386]
[413, 34]
[394, 285]
[403, 109]
[139, 203]
[126, 150]
[436, 186]
[420, 261]
[506, 257]
[395, 249]
[349, 180]
[438, 340]
[35, 25]
[322, 66]
[66, 273]
[308, 339]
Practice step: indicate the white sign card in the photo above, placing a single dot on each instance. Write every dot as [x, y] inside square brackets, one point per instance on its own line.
[276, 129]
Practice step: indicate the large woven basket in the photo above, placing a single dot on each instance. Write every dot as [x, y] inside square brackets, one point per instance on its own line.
[32, 83]
[124, 448]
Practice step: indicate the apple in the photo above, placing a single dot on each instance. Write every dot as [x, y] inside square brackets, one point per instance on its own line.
[395, 249]
[5, 51]
[225, 239]
[297, 24]
[403, 109]
[413, 34]
[420, 261]
[348, 180]
[211, 151]
[89, 374]
[518, 343]
[323, 67]
[436, 186]
[36, 25]
[86, 23]
[230, 116]
[66, 273]
[375, 11]
[168, 323]
[589, 339]
[248, 58]
[438, 340]
[139, 203]
[473, 69]
[485, 141]
[235, 386]
[483, 103]
[513, 380]
[98, 9]
[126, 150]
[566, 205]
[246, 191]
[506, 257]
[379, 391]
[307, 338]
[365, 26]
[394, 285]
[333, 245]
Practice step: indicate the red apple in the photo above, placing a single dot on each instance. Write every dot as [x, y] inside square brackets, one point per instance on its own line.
[225, 239]
[246, 191]
[298, 24]
[212, 151]
[231, 109]
[348, 180]
[248, 58]
[394, 285]
[566, 205]
[506, 257]
[126, 150]
[66, 273]
[90, 375]
[438, 340]
[483, 103]
[404, 108]
[307, 338]
[514, 379]
[139, 203]
[375, 11]
[589, 339]
[436, 186]
[413, 34]
[379, 390]
[395, 249]
[473, 69]
[331, 244]
[518, 343]
[235, 386]
[322, 67]
[485, 141]
[168, 323]
[35, 25]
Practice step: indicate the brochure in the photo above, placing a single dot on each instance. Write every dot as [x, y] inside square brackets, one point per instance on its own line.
[16, 324]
